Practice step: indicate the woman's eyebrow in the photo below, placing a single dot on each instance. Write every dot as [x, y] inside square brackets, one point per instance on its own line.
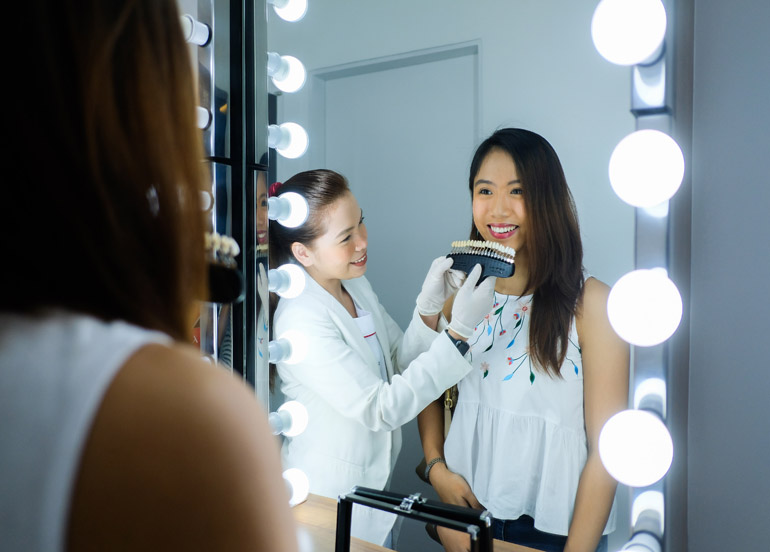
[482, 181]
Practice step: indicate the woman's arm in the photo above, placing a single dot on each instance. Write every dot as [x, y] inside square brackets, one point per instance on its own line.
[344, 376]
[179, 457]
[605, 392]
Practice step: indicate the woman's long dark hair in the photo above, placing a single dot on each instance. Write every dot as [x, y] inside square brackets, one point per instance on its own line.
[321, 188]
[106, 165]
[554, 248]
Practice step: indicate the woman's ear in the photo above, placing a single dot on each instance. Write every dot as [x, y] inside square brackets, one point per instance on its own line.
[303, 255]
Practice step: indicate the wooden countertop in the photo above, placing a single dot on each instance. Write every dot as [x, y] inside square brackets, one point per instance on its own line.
[317, 526]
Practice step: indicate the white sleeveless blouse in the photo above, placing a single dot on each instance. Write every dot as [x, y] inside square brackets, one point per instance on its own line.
[54, 371]
[518, 434]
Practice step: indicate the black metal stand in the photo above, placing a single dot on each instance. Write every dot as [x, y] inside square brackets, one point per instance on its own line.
[477, 524]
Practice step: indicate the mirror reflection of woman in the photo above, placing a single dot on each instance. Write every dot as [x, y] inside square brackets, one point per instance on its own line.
[362, 377]
[549, 369]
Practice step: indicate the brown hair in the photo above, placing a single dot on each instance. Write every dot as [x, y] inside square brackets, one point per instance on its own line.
[108, 164]
[555, 251]
[321, 188]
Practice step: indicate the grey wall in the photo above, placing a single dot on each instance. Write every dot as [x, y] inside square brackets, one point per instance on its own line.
[729, 380]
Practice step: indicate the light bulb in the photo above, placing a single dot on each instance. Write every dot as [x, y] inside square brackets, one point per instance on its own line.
[287, 280]
[644, 307]
[289, 208]
[636, 448]
[647, 512]
[629, 32]
[299, 485]
[291, 347]
[194, 31]
[203, 117]
[643, 542]
[646, 168]
[289, 10]
[287, 72]
[288, 139]
[299, 417]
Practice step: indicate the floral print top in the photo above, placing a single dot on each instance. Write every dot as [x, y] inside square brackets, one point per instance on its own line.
[518, 433]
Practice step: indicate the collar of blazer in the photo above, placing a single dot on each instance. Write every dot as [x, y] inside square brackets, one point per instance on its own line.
[363, 295]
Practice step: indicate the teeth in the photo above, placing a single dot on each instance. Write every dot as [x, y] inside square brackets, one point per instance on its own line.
[503, 229]
[359, 260]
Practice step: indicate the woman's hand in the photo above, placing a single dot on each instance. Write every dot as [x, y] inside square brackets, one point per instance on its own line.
[440, 284]
[452, 487]
[454, 541]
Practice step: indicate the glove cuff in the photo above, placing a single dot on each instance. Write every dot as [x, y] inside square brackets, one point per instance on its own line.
[461, 329]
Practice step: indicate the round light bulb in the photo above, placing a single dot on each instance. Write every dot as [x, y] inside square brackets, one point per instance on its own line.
[646, 168]
[289, 10]
[636, 448]
[288, 280]
[629, 32]
[194, 31]
[299, 417]
[288, 139]
[299, 485]
[291, 347]
[645, 307]
[290, 209]
[292, 77]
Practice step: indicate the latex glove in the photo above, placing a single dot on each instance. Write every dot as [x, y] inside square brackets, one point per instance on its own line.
[439, 285]
[472, 303]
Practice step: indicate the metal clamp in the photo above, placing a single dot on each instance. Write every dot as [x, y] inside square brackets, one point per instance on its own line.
[409, 501]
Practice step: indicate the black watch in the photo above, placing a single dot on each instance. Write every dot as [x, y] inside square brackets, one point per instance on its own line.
[461, 345]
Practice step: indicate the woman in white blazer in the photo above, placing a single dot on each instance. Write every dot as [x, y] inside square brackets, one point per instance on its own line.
[362, 377]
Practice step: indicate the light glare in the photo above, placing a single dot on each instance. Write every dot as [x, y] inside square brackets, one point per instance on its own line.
[636, 448]
[629, 32]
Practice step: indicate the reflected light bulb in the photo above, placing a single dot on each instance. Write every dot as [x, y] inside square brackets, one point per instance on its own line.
[646, 168]
[642, 542]
[288, 280]
[291, 347]
[287, 72]
[636, 448]
[299, 417]
[629, 32]
[645, 307]
[289, 10]
[299, 485]
[288, 139]
[289, 208]
[194, 31]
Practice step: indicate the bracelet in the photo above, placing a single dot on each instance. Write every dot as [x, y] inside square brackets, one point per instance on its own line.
[431, 464]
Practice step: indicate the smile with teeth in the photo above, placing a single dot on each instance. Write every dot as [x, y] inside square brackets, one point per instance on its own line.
[362, 260]
[502, 230]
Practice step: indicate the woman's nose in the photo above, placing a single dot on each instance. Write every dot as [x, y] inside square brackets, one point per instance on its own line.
[501, 205]
[361, 240]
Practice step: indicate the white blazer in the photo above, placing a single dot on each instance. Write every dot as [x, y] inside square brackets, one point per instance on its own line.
[353, 435]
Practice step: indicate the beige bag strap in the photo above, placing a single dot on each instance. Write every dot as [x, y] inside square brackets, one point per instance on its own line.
[448, 409]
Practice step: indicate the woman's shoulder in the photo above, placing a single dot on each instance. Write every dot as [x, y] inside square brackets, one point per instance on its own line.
[186, 448]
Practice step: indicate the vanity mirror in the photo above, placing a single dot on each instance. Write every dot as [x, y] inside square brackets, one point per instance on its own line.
[399, 94]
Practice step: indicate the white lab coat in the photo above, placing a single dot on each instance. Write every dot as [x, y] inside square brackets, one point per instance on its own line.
[353, 435]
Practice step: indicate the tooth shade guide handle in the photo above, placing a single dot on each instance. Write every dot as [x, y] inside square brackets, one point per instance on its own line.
[490, 266]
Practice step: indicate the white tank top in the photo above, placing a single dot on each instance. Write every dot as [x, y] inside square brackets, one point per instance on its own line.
[54, 371]
[518, 434]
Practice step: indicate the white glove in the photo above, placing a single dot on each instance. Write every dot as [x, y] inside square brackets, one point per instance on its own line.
[472, 303]
[439, 285]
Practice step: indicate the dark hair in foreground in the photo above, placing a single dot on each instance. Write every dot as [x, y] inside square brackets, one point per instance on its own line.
[107, 165]
[321, 188]
[554, 249]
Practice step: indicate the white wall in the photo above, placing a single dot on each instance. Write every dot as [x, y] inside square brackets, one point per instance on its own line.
[729, 380]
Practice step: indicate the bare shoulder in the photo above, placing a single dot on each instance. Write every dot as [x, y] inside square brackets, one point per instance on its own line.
[592, 308]
[179, 456]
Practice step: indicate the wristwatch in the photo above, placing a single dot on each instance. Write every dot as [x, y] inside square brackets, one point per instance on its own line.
[461, 345]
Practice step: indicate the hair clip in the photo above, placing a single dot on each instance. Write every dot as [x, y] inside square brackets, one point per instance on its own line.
[495, 259]
[272, 191]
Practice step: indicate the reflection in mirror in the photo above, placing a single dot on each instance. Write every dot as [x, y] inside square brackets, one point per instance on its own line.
[398, 96]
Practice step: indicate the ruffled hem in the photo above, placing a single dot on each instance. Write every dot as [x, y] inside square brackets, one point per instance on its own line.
[519, 465]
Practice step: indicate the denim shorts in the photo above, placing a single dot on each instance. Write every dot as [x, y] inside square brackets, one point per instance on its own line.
[522, 532]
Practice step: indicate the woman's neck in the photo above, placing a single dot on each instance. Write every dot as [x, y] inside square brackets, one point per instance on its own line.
[335, 288]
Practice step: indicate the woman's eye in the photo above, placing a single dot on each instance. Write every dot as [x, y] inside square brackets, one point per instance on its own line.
[484, 191]
[517, 191]
[345, 239]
